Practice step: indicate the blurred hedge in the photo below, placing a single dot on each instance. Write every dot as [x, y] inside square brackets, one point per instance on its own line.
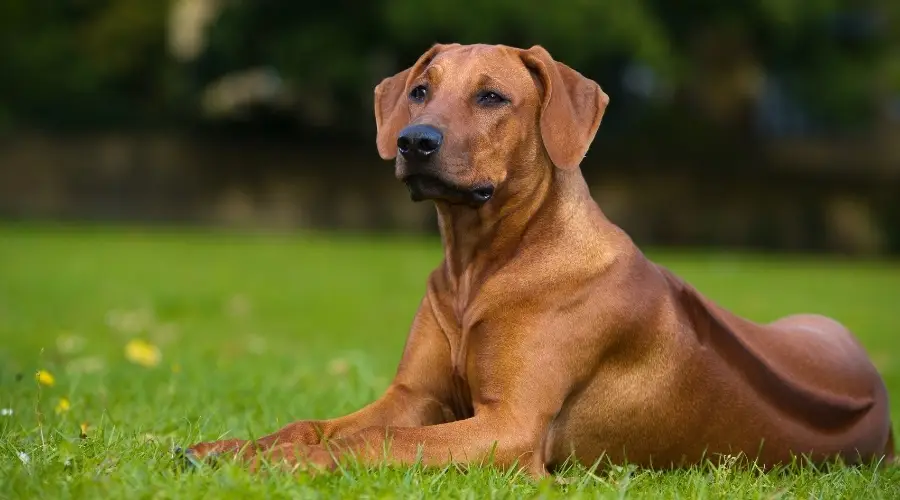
[115, 64]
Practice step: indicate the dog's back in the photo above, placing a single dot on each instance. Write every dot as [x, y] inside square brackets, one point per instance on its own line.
[808, 384]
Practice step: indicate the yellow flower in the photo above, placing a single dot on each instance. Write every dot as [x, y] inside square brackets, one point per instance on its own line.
[44, 377]
[142, 353]
[84, 429]
[63, 405]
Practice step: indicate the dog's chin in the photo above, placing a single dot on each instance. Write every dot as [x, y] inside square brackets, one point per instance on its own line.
[424, 187]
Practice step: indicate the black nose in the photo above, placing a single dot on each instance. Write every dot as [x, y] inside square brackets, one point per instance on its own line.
[418, 142]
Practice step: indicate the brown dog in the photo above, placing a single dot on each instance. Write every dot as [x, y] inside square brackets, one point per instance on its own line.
[545, 333]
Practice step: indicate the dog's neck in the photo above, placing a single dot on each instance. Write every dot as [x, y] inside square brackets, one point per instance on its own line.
[478, 241]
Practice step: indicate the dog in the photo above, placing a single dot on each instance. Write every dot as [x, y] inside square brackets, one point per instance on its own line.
[545, 334]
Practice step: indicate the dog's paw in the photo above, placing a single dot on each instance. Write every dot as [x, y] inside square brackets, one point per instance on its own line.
[207, 454]
[185, 460]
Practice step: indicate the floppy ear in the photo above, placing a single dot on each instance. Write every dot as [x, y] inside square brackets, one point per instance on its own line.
[391, 106]
[571, 110]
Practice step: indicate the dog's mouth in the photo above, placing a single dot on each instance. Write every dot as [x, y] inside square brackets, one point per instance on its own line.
[430, 187]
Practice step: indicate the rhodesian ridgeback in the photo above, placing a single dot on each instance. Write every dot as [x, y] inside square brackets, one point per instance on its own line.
[545, 334]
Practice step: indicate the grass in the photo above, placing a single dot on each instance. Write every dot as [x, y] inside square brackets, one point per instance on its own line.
[254, 331]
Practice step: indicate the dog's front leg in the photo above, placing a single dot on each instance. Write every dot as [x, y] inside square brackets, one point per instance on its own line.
[399, 406]
[491, 436]
[514, 405]
[416, 397]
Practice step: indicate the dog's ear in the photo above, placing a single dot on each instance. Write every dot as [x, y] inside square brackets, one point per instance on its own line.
[571, 109]
[391, 106]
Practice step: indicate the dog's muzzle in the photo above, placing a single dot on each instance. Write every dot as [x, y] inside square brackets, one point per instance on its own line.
[427, 186]
[418, 147]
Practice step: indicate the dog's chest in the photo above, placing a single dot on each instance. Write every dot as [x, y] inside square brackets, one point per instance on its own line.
[460, 380]
[459, 318]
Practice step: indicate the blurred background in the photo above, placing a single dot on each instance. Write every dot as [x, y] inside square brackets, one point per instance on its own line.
[764, 124]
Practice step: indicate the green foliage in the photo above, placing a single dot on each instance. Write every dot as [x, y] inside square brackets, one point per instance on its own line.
[106, 62]
[84, 61]
[582, 31]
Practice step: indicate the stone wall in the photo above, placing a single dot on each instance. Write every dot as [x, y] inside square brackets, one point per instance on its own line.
[172, 179]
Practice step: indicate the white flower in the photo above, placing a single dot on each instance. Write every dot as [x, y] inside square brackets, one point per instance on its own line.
[24, 457]
[68, 343]
[6, 412]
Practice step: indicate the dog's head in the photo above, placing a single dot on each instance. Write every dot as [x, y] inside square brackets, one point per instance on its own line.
[466, 121]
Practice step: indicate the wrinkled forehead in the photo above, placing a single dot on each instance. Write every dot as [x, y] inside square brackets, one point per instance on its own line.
[479, 66]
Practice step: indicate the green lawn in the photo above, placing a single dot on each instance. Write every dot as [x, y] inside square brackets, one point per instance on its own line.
[254, 331]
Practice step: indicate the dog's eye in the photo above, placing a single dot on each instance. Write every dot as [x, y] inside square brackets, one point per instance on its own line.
[418, 93]
[489, 98]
